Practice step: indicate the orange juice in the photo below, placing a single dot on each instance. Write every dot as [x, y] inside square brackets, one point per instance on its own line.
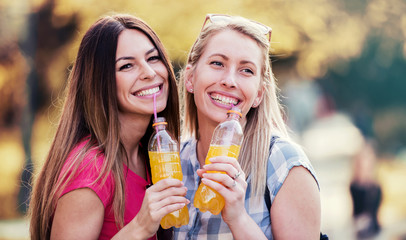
[207, 199]
[167, 165]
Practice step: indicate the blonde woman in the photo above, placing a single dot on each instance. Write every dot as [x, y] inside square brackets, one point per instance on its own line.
[271, 191]
[93, 184]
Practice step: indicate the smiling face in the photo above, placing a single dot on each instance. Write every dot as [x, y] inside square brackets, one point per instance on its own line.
[140, 73]
[228, 73]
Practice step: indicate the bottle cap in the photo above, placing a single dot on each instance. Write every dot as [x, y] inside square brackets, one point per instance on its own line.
[159, 123]
[235, 110]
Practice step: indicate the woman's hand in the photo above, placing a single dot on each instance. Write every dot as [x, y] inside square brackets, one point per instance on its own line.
[231, 185]
[161, 199]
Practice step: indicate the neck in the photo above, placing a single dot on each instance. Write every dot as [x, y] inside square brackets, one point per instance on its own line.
[132, 129]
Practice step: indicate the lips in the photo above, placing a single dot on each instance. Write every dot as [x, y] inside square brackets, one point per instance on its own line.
[224, 100]
[147, 92]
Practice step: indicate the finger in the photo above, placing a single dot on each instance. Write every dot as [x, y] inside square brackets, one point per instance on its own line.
[167, 183]
[169, 204]
[230, 160]
[225, 191]
[165, 210]
[200, 172]
[225, 168]
[222, 167]
[224, 179]
[237, 175]
[157, 211]
[153, 195]
[170, 201]
[224, 159]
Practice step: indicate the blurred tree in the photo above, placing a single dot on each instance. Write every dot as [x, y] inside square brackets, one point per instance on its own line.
[39, 44]
[371, 87]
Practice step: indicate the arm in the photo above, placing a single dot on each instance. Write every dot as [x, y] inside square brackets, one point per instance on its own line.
[80, 213]
[295, 212]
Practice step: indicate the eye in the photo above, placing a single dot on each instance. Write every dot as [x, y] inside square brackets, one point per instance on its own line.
[216, 63]
[248, 71]
[154, 58]
[125, 66]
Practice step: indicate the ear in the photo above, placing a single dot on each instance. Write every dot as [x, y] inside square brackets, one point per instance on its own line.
[189, 78]
[260, 96]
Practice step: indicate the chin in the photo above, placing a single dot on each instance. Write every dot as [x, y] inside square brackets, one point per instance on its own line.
[217, 117]
[160, 108]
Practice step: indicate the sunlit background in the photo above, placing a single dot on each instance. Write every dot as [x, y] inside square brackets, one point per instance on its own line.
[340, 65]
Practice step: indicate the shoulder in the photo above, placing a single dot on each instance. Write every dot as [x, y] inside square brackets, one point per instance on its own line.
[285, 155]
[84, 169]
[87, 152]
[286, 152]
[297, 203]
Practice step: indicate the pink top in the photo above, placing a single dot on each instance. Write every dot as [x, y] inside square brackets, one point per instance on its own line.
[89, 170]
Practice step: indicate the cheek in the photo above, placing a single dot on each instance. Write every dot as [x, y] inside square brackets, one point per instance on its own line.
[162, 71]
[120, 82]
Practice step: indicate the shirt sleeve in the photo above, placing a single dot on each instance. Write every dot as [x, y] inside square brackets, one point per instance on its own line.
[86, 175]
[284, 156]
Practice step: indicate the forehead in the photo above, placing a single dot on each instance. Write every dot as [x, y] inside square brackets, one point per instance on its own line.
[133, 38]
[234, 44]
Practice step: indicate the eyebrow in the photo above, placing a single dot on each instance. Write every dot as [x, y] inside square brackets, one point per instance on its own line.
[227, 58]
[132, 58]
[219, 55]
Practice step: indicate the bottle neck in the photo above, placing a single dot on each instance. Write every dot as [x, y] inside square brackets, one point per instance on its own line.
[233, 116]
[159, 124]
[160, 127]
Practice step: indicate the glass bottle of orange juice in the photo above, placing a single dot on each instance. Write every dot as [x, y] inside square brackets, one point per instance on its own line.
[226, 141]
[165, 163]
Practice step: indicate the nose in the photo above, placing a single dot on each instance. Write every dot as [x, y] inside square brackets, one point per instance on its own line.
[229, 80]
[147, 72]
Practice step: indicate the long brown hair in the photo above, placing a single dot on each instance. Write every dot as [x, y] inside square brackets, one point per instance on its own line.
[91, 109]
[262, 121]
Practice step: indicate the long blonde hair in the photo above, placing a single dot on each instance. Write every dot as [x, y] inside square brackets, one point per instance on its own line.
[91, 109]
[262, 121]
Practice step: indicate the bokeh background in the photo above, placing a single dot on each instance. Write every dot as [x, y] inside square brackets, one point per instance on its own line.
[340, 65]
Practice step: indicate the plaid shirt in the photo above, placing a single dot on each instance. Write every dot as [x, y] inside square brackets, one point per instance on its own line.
[284, 156]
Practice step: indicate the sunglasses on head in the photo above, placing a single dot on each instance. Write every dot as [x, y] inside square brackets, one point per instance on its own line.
[215, 18]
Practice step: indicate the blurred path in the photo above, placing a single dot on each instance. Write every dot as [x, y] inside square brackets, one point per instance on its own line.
[334, 178]
[14, 229]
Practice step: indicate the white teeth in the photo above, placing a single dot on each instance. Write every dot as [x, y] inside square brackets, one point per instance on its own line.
[224, 100]
[147, 92]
